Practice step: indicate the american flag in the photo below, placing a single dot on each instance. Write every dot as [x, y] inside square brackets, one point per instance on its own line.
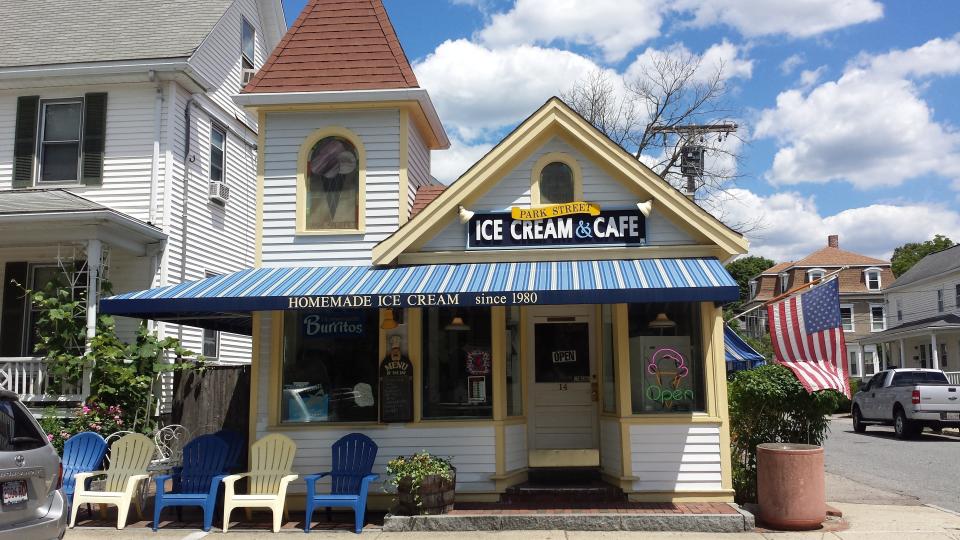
[807, 337]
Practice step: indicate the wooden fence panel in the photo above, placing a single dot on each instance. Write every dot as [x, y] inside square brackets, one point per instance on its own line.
[214, 399]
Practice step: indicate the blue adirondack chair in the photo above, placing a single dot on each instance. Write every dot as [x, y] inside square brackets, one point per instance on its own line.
[82, 452]
[198, 480]
[235, 444]
[353, 457]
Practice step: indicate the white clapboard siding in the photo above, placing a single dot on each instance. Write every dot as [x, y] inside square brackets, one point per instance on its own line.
[515, 447]
[418, 164]
[919, 300]
[611, 460]
[285, 134]
[598, 187]
[128, 152]
[675, 457]
[218, 56]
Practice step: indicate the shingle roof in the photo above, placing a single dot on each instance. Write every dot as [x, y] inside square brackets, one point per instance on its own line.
[777, 268]
[37, 201]
[425, 195]
[38, 32]
[832, 256]
[337, 45]
[934, 264]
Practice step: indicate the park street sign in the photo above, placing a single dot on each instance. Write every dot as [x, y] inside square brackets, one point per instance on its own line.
[576, 224]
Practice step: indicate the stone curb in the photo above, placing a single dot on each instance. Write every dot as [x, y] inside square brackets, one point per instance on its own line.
[709, 523]
[749, 522]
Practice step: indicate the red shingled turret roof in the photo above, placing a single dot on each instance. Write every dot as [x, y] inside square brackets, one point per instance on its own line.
[337, 45]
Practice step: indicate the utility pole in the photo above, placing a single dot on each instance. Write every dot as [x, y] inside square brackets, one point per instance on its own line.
[691, 153]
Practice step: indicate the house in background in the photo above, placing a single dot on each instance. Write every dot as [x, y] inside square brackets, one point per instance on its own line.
[923, 315]
[124, 158]
[862, 309]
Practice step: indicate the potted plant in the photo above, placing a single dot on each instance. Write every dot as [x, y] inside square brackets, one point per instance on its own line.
[425, 483]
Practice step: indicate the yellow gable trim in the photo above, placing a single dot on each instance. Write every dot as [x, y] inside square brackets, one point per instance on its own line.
[555, 118]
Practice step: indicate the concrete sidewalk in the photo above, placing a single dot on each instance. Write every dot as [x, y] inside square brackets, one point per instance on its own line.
[866, 521]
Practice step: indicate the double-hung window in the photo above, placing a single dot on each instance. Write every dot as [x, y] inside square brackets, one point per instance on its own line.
[248, 38]
[60, 132]
[899, 311]
[784, 282]
[211, 338]
[846, 317]
[815, 274]
[872, 278]
[956, 301]
[940, 300]
[877, 318]
[218, 153]
[59, 141]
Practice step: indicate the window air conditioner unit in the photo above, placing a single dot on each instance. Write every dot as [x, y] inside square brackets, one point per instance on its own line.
[248, 75]
[219, 192]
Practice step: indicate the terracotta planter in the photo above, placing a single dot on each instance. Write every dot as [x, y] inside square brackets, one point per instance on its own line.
[790, 486]
[436, 495]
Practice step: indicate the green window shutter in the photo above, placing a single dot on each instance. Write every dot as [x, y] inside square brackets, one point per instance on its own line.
[94, 138]
[13, 309]
[25, 143]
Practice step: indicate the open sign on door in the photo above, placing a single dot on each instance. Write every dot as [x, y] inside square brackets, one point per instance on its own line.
[564, 357]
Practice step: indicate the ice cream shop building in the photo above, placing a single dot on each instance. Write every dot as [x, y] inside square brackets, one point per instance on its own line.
[558, 305]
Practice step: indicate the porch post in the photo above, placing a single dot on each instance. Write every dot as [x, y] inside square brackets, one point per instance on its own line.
[934, 356]
[860, 361]
[903, 354]
[94, 252]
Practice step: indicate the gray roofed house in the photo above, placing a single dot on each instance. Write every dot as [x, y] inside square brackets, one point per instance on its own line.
[103, 30]
[124, 158]
[930, 266]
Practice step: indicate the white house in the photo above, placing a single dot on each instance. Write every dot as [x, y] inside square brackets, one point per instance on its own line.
[923, 315]
[123, 155]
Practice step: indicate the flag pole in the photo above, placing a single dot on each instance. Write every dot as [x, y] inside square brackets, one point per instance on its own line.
[803, 286]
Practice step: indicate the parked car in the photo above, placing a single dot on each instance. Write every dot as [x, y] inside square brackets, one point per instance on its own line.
[909, 399]
[32, 505]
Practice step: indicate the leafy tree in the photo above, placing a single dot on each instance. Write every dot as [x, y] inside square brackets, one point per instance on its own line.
[907, 255]
[769, 405]
[742, 270]
[122, 375]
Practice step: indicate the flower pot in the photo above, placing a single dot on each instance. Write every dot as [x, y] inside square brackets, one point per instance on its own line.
[436, 495]
[790, 486]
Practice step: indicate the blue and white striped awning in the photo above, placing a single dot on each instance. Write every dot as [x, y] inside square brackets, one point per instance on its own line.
[505, 283]
[739, 354]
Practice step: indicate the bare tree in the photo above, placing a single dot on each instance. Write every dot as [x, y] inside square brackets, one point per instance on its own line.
[670, 90]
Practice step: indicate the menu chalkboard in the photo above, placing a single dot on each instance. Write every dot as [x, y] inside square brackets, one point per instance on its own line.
[396, 390]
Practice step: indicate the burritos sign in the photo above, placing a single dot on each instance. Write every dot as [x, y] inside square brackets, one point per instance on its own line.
[563, 225]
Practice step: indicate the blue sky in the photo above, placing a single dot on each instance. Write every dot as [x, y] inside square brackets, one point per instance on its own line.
[849, 109]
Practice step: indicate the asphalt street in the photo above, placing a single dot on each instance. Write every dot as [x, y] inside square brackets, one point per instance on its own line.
[926, 469]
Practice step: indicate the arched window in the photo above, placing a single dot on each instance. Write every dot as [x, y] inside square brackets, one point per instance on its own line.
[333, 192]
[556, 183]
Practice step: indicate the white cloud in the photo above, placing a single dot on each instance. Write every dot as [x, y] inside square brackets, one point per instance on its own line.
[810, 77]
[791, 17]
[478, 90]
[791, 63]
[870, 127]
[791, 226]
[614, 26]
[447, 165]
[724, 54]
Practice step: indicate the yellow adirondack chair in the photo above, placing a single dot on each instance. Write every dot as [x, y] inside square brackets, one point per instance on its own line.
[271, 459]
[129, 458]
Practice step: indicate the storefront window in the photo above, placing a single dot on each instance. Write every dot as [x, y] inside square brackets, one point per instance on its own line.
[609, 373]
[666, 361]
[330, 366]
[457, 363]
[514, 371]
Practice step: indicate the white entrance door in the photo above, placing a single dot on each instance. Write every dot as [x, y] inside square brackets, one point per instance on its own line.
[563, 425]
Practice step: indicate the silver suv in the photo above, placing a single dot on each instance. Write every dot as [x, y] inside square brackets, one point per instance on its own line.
[32, 505]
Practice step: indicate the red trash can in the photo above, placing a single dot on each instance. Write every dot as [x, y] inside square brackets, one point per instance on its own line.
[790, 486]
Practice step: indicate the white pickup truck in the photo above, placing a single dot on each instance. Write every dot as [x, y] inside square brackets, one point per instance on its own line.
[910, 399]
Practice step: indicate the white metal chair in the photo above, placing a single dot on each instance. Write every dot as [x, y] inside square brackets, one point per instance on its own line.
[169, 441]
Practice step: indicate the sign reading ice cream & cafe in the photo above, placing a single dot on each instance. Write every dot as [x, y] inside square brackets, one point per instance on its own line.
[576, 224]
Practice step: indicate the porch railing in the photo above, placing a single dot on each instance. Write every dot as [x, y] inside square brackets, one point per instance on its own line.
[29, 378]
[953, 376]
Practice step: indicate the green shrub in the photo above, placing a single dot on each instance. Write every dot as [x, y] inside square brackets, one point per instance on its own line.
[843, 402]
[768, 404]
